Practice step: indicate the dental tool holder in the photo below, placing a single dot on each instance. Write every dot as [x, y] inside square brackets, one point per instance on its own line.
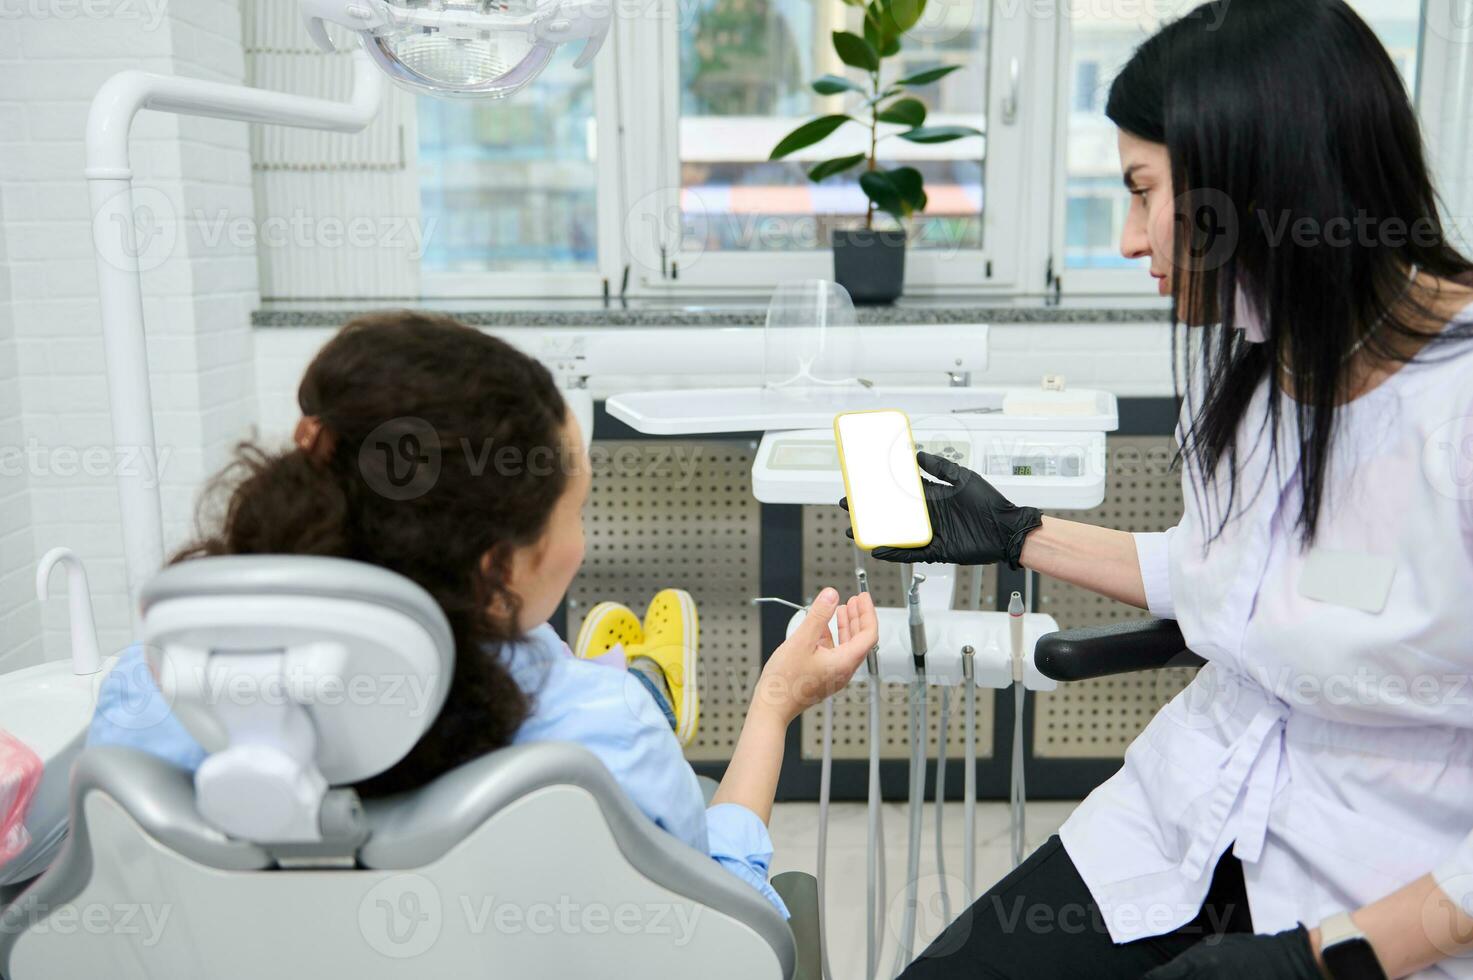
[947, 633]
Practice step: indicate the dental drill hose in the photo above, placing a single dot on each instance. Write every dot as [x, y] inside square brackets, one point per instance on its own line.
[918, 740]
[1018, 795]
[874, 912]
[943, 727]
[825, 774]
[969, 781]
[918, 725]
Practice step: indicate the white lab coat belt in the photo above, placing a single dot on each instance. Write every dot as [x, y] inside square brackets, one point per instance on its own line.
[1248, 772]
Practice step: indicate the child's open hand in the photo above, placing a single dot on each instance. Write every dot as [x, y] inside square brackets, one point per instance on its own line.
[809, 666]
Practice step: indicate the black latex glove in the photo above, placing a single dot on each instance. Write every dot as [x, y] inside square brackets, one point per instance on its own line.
[971, 523]
[1282, 956]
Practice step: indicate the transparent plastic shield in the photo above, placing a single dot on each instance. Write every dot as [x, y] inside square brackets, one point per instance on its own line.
[812, 347]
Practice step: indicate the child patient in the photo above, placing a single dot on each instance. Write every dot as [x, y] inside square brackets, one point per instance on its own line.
[445, 455]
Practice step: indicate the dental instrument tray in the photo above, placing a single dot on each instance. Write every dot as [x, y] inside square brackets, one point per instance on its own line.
[756, 409]
[1053, 470]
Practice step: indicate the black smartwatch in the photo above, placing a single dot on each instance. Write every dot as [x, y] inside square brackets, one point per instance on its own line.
[1346, 950]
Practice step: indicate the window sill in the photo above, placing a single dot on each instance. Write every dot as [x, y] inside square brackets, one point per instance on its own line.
[724, 311]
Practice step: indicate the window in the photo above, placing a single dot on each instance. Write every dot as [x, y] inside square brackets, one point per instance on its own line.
[709, 210]
[652, 169]
[1100, 45]
[1087, 86]
[509, 186]
[745, 71]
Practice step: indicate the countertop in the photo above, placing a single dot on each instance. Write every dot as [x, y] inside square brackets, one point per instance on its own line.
[731, 311]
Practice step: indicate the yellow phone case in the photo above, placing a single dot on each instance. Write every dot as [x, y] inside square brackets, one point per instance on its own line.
[849, 491]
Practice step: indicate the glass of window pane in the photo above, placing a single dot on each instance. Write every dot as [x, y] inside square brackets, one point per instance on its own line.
[1103, 41]
[509, 185]
[745, 71]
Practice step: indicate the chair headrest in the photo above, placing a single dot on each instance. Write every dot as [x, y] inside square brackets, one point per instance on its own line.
[294, 672]
[297, 575]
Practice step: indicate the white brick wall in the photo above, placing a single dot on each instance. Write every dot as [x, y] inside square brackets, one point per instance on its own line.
[20, 621]
[197, 302]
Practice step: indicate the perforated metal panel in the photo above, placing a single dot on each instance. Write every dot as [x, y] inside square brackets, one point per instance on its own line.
[673, 513]
[682, 513]
[1097, 719]
[828, 559]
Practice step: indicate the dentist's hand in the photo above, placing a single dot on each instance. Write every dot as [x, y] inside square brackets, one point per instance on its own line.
[971, 523]
[809, 667]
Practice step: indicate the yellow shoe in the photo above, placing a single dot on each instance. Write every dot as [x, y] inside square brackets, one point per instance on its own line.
[607, 625]
[672, 639]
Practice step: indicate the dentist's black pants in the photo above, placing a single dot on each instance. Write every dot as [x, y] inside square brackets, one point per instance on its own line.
[1040, 923]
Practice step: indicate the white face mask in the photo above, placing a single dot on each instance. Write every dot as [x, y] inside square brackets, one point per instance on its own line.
[1255, 331]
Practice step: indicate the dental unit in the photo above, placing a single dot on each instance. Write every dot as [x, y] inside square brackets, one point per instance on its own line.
[1040, 446]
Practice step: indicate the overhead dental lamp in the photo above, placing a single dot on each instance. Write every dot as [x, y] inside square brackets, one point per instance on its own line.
[474, 49]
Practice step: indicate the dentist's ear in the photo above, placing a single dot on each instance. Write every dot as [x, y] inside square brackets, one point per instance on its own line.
[1247, 318]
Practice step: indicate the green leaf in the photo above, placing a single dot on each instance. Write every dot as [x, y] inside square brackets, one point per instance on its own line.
[855, 51]
[927, 77]
[939, 134]
[910, 186]
[836, 166]
[880, 30]
[807, 134]
[833, 85]
[906, 13]
[879, 188]
[905, 112]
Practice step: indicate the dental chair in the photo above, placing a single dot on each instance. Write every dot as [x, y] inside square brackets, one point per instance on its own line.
[302, 675]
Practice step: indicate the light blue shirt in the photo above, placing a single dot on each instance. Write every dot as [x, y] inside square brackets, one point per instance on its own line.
[603, 709]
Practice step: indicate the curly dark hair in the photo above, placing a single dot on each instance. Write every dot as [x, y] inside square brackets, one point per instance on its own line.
[407, 403]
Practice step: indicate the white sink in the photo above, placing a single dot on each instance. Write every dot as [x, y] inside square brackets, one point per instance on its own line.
[48, 708]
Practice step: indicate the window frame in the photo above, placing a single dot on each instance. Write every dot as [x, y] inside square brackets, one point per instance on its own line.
[638, 184]
[1132, 282]
[651, 167]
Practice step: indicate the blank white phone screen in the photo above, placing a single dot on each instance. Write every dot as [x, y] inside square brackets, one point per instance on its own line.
[886, 504]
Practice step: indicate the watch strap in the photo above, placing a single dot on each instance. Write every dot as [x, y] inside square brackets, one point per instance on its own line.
[1337, 929]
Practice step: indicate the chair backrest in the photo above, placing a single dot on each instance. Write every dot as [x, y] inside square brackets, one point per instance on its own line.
[529, 862]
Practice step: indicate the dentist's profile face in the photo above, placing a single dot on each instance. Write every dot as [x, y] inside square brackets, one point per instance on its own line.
[1149, 225]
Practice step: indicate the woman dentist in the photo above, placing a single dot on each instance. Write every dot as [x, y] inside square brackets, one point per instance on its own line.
[1306, 804]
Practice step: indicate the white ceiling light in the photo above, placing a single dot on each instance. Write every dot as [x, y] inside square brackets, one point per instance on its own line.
[463, 48]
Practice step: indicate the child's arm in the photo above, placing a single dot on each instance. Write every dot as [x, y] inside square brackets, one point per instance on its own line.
[800, 673]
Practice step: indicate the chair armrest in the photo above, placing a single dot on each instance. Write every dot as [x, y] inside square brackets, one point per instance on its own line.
[799, 892]
[1119, 648]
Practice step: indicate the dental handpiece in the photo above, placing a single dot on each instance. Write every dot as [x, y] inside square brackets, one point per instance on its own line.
[871, 659]
[917, 623]
[1015, 635]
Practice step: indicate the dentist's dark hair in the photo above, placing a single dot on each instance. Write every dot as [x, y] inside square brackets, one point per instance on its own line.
[426, 387]
[1273, 112]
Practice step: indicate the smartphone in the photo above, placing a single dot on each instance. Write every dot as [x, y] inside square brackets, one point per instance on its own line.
[887, 507]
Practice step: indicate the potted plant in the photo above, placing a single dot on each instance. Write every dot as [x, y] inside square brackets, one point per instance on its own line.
[870, 262]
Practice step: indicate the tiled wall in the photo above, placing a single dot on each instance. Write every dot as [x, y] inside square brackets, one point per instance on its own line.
[199, 290]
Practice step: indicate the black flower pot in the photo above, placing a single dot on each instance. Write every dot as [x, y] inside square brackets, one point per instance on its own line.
[870, 264]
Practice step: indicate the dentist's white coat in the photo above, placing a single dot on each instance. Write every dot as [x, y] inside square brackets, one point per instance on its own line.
[1330, 747]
